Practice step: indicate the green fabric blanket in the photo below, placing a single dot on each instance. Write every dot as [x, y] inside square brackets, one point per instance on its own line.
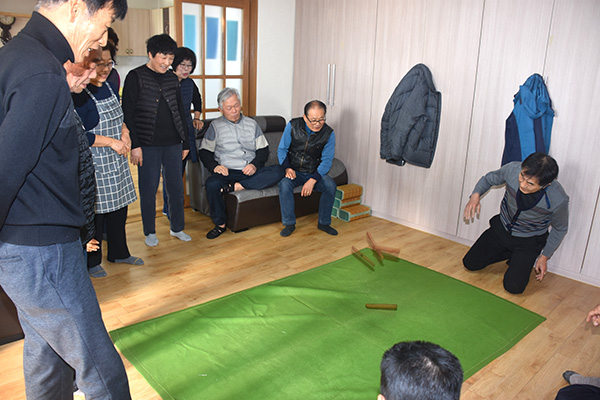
[309, 336]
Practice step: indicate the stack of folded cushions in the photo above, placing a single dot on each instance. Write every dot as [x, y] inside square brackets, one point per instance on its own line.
[347, 204]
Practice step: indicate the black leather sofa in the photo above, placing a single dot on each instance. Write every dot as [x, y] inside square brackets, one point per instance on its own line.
[248, 208]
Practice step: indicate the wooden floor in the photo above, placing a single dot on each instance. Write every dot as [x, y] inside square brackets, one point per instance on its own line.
[178, 275]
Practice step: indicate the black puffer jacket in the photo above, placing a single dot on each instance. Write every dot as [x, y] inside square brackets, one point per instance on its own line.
[411, 121]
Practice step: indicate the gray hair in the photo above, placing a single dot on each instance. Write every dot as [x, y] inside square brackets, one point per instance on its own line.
[225, 94]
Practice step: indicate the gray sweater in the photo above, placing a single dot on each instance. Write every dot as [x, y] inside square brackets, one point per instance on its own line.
[551, 210]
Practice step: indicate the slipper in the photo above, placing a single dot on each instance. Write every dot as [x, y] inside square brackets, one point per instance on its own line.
[228, 188]
[216, 232]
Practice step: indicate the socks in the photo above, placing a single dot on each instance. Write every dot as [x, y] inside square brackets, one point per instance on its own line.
[327, 229]
[130, 260]
[287, 231]
[151, 240]
[97, 272]
[181, 235]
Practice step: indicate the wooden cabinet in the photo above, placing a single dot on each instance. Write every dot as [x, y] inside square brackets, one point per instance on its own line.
[133, 31]
[334, 64]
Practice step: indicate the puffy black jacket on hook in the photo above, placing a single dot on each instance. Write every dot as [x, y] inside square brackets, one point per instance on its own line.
[411, 120]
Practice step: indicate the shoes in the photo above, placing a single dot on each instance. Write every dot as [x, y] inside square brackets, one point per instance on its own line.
[327, 229]
[97, 272]
[181, 235]
[216, 232]
[568, 374]
[287, 231]
[151, 240]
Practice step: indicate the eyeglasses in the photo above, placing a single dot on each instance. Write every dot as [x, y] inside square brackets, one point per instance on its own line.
[108, 65]
[185, 66]
[317, 121]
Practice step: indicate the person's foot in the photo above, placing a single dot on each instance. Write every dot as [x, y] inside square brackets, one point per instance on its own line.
[568, 374]
[216, 232]
[181, 235]
[151, 240]
[327, 229]
[97, 272]
[129, 260]
[287, 231]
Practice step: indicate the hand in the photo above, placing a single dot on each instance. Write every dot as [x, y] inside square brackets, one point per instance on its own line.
[125, 138]
[594, 316]
[184, 154]
[473, 207]
[307, 188]
[198, 124]
[541, 267]
[290, 173]
[136, 156]
[119, 147]
[249, 169]
[221, 169]
[92, 245]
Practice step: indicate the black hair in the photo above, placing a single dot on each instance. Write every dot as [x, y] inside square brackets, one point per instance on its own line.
[314, 104]
[420, 371]
[182, 54]
[162, 43]
[113, 50]
[540, 166]
[119, 7]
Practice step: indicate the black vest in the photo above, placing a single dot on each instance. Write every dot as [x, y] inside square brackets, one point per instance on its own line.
[304, 153]
[147, 103]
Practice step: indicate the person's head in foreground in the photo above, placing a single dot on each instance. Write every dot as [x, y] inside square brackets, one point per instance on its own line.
[537, 172]
[420, 371]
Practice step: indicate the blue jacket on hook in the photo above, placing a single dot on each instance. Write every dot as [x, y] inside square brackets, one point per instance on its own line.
[529, 126]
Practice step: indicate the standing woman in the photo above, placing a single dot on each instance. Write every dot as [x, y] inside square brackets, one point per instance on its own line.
[183, 65]
[102, 116]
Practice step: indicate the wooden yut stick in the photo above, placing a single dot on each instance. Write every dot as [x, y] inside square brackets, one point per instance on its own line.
[374, 247]
[379, 248]
[357, 253]
[376, 306]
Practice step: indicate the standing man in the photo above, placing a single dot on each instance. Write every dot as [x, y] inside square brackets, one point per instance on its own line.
[533, 202]
[234, 149]
[156, 119]
[306, 152]
[42, 265]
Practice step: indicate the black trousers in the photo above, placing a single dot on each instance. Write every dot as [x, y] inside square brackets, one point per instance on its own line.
[115, 237]
[578, 392]
[496, 244]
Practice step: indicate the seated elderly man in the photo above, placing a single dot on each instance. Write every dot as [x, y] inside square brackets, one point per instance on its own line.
[234, 149]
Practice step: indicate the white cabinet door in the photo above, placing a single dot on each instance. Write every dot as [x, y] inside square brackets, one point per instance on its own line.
[335, 42]
[514, 37]
[572, 69]
[443, 35]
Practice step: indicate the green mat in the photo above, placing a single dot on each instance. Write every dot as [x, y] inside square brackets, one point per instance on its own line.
[309, 336]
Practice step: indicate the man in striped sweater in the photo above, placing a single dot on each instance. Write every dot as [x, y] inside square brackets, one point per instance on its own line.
[533, 202]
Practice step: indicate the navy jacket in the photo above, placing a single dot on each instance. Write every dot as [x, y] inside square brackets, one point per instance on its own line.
[411, 121]
[39, 156]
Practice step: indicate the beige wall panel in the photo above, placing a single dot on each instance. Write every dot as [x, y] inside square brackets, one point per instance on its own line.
[444, 35]
[573, 71]
[513, 47]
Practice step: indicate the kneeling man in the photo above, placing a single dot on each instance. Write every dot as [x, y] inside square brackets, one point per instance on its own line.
[234, 149]
[306, 152]
[533, 201]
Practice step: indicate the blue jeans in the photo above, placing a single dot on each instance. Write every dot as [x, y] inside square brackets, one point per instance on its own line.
[155, 159]
[262, 179]
[62, 323]
[326, 186]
